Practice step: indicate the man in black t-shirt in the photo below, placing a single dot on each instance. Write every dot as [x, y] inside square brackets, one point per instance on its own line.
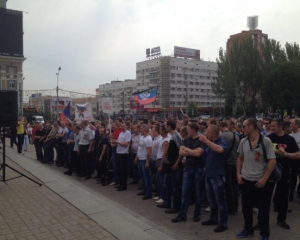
[39, 135]
[286, 149]
[193, 172]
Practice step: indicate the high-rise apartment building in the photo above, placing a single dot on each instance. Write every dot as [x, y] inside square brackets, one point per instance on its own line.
[179, 81]
[120, 92]
[257, 36]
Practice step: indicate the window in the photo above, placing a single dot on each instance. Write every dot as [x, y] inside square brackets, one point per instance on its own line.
[11, 84]
[208, 77]
[179, 96]
[179, 103]
[197, 83]
[172, 89]
[178, 75]
[191, 83]
[191, 89]
[173, 81]
[179, 82]
[191, 96]
[178, 89]
[208, 84]
[172, 74]
[12, 70]
[191, 76]
[172, 95]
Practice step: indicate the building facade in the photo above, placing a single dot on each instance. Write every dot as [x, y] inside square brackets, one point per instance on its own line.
[180, 81]
[257, 36]
[120, 92]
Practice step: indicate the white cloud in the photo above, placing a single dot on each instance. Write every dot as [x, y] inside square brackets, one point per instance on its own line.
[96, 41]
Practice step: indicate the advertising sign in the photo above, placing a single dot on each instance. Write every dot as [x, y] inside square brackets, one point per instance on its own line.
[84, 112]
[187, 53]
[107, 106]
[155, 51]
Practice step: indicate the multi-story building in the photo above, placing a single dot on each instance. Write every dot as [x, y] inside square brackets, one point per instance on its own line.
[257, 36]
[180, 81]
[120, 92]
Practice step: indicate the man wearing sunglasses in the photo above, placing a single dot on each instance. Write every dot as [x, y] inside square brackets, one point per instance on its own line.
[253, 172]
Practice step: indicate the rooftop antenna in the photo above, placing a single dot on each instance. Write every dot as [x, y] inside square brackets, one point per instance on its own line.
[252, 22]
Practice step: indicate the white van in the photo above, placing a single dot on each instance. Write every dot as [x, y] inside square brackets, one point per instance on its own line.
[38, 119]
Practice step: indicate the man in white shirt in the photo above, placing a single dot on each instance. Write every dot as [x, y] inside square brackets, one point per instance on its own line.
[156, 142]
[143, 160]
[122, 143]
[135, 138]
[86, 142]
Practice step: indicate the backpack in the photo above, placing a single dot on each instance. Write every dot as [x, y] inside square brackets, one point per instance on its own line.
[276, 174]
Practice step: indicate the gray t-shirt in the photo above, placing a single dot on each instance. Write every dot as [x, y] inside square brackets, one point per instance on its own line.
[228, 137]
[155, 145]
[135, 142]
[65, 130]
[253, 169]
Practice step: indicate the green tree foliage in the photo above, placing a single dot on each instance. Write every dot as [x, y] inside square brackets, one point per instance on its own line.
[244, 74]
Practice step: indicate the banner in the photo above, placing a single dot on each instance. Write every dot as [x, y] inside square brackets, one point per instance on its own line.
[107, 106]
[146, 97]
[187, 53]
[84, 112]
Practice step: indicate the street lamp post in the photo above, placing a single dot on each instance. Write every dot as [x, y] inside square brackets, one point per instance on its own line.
[57, 74]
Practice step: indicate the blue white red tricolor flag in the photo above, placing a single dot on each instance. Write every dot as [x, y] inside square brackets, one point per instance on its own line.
[65, 113]
[146, 97]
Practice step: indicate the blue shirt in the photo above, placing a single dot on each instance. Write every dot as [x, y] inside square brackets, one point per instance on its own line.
[215, 162]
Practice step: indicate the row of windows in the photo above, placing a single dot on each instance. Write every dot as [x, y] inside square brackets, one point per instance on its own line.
[191, 90]
[190, 83]
[11, 70]
[198, 103]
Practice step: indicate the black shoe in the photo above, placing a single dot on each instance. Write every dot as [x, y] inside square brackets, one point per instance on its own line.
[196, 218]
[220, 228]
[209, 222]
[162, 206]
[87, 177]
[121, 189]
[117, 186]
[171, 211]
[290, 210]
[256, 227]
[178, 219]
[283, 224]
[276, 209]
[140, 194]
[134, 182]
[146, 197]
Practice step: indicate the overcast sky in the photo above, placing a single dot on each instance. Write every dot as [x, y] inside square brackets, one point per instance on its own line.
[96, 41]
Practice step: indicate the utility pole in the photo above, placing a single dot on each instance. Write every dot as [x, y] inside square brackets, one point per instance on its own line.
[59, 68]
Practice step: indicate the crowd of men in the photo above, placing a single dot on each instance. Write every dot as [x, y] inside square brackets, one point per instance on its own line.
[180, 162]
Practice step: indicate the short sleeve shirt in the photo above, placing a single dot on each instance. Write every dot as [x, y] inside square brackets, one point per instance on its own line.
[254, 165]
[86, 135]
[135, 142]
[193, 144]
[124, 137]
[144, 143]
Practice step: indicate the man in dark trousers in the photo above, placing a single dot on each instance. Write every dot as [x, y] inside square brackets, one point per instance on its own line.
[286, 150]
[231, 184]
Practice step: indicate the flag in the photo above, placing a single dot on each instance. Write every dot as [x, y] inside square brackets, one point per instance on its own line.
[65, 113]
[146, 97]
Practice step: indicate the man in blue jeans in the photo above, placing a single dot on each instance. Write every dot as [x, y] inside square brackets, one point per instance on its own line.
[193, 173]
[215, 177]
[143, 161]
[173, 167]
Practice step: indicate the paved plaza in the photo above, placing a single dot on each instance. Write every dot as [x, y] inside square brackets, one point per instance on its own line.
[71, 208]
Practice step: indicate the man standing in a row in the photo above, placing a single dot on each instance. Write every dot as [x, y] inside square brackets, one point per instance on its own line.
[123, 143]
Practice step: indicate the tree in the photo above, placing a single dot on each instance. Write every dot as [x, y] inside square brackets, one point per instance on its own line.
[238, 73]
[192, 109]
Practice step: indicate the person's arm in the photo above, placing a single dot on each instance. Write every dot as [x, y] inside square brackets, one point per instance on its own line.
[216, 148]
[149, 151]
[165, 147]
[282, 152]
[103, 152]
[239, 165]
[195, 153]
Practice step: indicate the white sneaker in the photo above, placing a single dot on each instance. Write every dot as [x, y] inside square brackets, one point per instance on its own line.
[160, 201]
[207, 209]
[255, 210]
[156, 198]
[112, 184]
